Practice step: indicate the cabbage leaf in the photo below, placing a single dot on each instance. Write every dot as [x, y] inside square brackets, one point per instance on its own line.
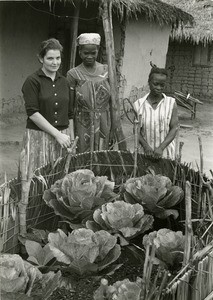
[121, 218]
[155, 193]
[83, 251]
[120, 290]
[78, 194]
[169, 246]
[21, 280]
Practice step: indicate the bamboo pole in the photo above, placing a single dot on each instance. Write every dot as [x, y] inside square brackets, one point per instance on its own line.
[74, 33]
[108, 31]
[188, 224]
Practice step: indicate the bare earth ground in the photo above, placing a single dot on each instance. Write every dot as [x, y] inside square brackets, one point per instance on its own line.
[12, 129]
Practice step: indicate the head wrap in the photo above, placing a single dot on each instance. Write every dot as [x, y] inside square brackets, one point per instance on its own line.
[89, 38]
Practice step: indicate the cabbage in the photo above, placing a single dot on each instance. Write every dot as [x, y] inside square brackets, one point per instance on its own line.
[83, 250]
[120, 290]
[169, 245]
[20, 280]
[78, 194]
[121, 218]
[155, 192]
[16, 274]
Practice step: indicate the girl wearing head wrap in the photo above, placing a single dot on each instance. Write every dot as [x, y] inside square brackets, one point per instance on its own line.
[159, 118]
[90, 86]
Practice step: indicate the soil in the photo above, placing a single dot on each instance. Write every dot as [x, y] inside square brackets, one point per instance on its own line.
[12, 129]
[85, 288]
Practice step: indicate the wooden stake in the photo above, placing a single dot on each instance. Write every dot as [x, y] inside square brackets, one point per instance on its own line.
[201, 155]
[136, 137]
[188, 224]
[26, 176]
[210, 296]
[108, 31]
[201, 176]
[180, 150]
[74, 33]
[71, 152]
[92, 128]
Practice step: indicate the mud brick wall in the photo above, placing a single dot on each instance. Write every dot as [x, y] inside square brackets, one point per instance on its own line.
[186, 76]
[10, 106]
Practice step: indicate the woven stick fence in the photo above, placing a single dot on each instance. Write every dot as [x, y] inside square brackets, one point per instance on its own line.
[118, 166]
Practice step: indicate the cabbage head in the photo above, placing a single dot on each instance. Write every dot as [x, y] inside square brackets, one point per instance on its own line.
[121, 290]
[78, 194]
[83, 251]
[119, 217]
[21, 280]
[155, 192]
[169, 246]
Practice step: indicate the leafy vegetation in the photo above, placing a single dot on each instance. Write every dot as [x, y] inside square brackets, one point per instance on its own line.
[77, 195]
[169, 246]
[121, 218]
[120, 290]
[84, 251]
[101, 223]
[21, 280]
[155, 193]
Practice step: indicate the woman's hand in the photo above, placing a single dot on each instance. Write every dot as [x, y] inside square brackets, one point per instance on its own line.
[43, 124]
[158, 152]
[148, 150]
[63, 139]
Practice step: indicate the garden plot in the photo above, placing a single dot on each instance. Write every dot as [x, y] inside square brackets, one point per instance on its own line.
[134, 229]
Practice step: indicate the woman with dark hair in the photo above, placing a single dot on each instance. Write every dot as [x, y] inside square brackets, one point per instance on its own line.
[159, 117]
[91, 91]
[49, 108]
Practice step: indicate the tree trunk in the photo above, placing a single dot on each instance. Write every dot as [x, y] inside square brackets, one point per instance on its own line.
[74, 33]
[108, 31]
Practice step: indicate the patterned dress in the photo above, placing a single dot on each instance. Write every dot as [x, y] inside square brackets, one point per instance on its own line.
[92, 97]
[155, 123]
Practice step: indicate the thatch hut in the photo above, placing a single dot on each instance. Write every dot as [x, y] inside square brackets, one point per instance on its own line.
[190, 51]
[141, 32]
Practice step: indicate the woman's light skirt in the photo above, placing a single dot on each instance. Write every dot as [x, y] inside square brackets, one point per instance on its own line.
[39, 148]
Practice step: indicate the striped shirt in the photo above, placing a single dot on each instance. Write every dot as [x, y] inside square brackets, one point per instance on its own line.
[155, 123]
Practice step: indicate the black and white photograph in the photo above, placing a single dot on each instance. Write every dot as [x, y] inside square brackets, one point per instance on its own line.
[106, 150]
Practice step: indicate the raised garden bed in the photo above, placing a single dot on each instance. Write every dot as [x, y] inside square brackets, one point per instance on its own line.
[119, 167]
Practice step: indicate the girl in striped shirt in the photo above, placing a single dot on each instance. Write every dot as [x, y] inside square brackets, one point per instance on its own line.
[159, 118]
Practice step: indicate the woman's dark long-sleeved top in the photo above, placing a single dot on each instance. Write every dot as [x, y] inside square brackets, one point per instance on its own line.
[50, 98]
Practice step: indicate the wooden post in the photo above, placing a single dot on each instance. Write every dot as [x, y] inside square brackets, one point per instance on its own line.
[201, 177]
[136, 137]
[74, 33]
[26, 177]
[188, 224]
[108, 31]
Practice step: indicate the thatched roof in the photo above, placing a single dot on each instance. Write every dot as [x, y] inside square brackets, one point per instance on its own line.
[202, 11]
[154, 10]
